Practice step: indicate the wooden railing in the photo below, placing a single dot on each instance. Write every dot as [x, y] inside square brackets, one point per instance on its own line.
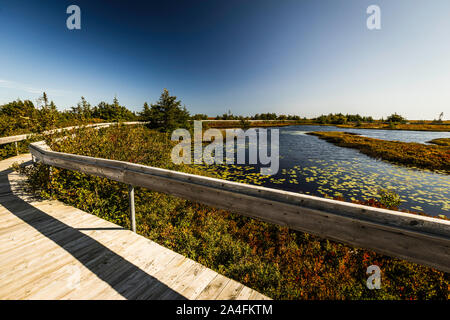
[21, 137]
[419, 239]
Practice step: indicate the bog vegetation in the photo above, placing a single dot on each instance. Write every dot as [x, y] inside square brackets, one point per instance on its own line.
[274, 260]
[441, 142]
[433, 157]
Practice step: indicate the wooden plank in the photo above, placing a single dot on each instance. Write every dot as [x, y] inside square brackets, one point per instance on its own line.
[49, 257]
[38, 223]
[214, 288]
[21, 280]
[231, 290]
[53, 284]
[37, 219]
[155, 258]
[91, 285]
[245, 294]
[21, 236]
[49, 267]
[113, 269]
[28, 249]
[258, 296]
[191, 289]
[36, 250]
[190, 283]
[50, 284]
[166, 277]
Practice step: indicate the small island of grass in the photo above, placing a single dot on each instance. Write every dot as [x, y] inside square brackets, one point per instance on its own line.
[432, 157]
[441, 142]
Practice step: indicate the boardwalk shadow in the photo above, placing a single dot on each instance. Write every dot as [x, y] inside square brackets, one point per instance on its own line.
[123, 276]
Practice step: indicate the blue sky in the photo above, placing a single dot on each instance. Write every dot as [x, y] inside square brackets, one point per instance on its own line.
[288, 56]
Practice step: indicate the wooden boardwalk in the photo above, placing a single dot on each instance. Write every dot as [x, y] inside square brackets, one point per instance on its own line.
[49, 250]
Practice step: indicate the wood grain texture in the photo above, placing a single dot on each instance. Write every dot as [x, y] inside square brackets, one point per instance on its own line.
[49, 250]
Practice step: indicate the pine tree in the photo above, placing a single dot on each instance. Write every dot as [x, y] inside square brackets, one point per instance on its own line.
[145, 113]
[167, 114]
[45, 99]
[48, 114]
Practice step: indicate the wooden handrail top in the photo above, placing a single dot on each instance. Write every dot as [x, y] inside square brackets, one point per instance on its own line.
[21, 137]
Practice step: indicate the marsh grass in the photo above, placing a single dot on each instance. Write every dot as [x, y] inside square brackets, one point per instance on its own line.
[412, 126]
[441, 142]
[432, 157]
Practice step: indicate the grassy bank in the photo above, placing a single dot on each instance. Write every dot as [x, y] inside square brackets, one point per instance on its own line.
[441, 142]
[431, 157]
[376, 125]
[412, 126]
[276, 261]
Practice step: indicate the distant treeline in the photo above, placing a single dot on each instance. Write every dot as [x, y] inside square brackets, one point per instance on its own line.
[19, 116]
[258, 116]
[339, 118]
[166, 114]
[336, 118]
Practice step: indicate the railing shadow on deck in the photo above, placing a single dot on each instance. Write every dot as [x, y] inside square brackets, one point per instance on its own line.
[63, 235]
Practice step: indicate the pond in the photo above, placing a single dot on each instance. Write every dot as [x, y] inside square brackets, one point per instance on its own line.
[313, 166]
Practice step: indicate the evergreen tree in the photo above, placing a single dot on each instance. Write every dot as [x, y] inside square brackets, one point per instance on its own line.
[83, 110]
[48, 115]
[45, 99]
[167, 114]
[146, 112]
[112, 112]
[396, 118]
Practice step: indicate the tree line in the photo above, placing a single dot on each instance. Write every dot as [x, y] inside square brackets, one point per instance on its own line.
[166, 114]
[340, 118]
[258, 116]
[27, 117]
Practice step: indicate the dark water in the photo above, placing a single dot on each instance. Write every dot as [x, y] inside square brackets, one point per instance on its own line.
[313, 166]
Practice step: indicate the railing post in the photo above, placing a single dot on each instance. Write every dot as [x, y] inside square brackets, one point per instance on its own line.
[132, 212]
[50, 179]
[17, 148]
